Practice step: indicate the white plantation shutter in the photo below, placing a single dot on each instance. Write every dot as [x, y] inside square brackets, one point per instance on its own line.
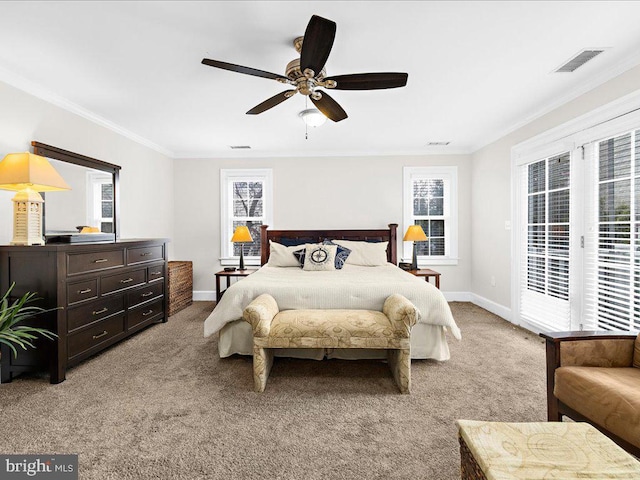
[612, 242]
[545, 188]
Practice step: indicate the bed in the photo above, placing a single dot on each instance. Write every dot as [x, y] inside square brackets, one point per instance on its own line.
[352, 287]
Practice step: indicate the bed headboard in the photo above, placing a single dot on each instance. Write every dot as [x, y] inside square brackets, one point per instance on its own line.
[296, 237]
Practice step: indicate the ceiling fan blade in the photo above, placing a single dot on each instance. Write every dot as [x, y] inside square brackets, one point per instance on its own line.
[329, 107]
[317, 43]
[240, 69]
[369, 81]
[271, 102]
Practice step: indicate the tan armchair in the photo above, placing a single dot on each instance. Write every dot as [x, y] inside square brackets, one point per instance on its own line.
[595, 377]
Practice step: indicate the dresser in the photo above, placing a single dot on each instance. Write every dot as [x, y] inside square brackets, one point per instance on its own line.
[105, 292]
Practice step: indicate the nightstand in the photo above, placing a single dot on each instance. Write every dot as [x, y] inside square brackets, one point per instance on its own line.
[427, 273]
[229, 275]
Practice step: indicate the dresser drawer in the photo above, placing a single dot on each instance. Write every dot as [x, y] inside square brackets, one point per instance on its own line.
[145, 313]
[155, 273]
[144, 254]
[122, 281]
[94, 262]
[94, 336]
[94, 311]
[82, 291]
[145, 294]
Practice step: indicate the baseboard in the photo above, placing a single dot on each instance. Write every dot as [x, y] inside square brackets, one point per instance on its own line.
[204, 295]
[457, 296]
[491, 306]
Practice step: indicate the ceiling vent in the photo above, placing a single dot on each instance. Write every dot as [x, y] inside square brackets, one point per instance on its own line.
[240, 147]
[437, 144]
[579, 60]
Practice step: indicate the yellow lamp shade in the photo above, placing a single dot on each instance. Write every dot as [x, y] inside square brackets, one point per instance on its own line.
[242, 235]
[415, 234]
[19, 171]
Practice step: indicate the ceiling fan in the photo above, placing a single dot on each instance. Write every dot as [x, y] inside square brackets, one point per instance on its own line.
[306, 74]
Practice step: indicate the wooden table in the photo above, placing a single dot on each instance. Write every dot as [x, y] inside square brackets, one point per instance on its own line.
[427, 273]
[229, 275]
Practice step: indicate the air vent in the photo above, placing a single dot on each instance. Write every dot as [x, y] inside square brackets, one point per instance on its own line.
[240, 147]
[579, 60]
[437, 144]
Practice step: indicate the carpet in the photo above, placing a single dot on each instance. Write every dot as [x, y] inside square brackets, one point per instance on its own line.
[163, 405]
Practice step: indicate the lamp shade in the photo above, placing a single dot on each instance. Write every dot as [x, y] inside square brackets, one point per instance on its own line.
[312, 117]
[26, 170]
[242, 235]
[415, 234]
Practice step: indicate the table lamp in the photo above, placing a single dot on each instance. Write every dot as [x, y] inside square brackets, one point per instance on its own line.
[415, 234]
[241, 235]
[28, 174]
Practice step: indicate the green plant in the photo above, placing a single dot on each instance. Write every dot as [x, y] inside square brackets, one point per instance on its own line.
[11, 315]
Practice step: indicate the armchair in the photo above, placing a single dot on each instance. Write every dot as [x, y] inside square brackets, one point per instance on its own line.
[594, 377]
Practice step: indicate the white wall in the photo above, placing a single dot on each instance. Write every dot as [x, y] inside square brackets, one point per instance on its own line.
[491, 191]
[146, 183]
[332, 193]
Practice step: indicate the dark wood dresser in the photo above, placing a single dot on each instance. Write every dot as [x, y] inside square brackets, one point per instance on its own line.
[107, 291]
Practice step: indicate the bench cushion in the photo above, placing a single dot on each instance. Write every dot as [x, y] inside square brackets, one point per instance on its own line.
[607, 396]
[332, 329]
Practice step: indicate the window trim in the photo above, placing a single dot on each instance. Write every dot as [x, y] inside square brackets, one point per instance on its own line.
[228, 175]
[450, 175]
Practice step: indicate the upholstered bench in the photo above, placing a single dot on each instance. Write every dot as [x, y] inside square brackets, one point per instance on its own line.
[319, 328]
[540, 450]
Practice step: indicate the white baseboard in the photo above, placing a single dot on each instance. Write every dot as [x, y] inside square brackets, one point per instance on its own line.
[491, 306]
[457, 296]
[204, 295]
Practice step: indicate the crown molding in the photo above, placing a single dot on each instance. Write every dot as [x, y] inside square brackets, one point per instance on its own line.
[42, 93]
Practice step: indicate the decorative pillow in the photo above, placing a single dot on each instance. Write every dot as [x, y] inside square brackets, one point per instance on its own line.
[341, 253]
[281, 256]
[320, 257]
[368, 254]
[300, 254]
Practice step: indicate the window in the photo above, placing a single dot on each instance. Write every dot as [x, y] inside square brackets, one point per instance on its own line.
[545, 230]
[246, 199]
[577, 223]
[100, 198]
[430, 200]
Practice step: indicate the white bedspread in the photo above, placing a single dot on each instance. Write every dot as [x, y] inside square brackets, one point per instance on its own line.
[353, 287]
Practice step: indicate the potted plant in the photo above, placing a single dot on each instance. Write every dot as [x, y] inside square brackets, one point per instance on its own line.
[11, 314]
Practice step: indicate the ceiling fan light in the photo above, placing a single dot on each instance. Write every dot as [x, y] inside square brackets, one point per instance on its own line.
[312, 117]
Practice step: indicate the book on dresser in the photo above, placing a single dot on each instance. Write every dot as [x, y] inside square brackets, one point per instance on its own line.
[104, 292]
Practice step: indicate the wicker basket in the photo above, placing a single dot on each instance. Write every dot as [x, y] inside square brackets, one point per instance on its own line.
[180, 286]
[469, 468]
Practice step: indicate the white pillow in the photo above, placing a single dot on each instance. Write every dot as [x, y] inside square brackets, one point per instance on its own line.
[368, 254]
[320, 257]
[281, 256]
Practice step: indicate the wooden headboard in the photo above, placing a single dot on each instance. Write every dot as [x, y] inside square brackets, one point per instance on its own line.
[297, 237]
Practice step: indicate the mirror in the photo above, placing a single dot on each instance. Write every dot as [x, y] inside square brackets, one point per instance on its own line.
[92, 200]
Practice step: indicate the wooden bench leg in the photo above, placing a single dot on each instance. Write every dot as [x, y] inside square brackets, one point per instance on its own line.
[400, 363]
[262, 363]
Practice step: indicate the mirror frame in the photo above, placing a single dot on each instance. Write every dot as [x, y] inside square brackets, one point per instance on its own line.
[56, 153]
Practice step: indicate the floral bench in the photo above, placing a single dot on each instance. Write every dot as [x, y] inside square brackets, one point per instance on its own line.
[326, 328]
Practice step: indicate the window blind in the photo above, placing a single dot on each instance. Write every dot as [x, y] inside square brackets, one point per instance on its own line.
[612, 237]
[545, 186]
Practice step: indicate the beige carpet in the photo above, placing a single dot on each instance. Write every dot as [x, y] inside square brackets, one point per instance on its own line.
[163, 405]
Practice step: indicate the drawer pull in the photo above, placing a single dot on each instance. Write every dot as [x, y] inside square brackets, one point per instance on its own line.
[146, 314]
[102, 310]
[126, 280]
[95, 337]
[101, 260]
[146, 254]
[86, 290]
[146, 294]
[156, 273]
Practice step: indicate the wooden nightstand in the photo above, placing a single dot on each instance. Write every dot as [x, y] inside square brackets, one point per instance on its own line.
[229, 275]
[426, 273]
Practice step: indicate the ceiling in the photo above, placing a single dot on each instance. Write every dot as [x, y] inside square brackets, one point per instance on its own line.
[477, 70]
